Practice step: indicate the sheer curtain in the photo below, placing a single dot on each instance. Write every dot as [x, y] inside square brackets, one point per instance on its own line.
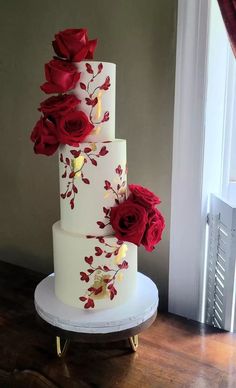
[228, 11]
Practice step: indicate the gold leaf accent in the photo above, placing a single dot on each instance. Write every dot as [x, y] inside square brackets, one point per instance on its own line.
[107, 194]
[77, 164]
[122, 190]
[99, 282]
[93, 146]
[121, 254]
[120, 277]
[99, 105]
[96, 131]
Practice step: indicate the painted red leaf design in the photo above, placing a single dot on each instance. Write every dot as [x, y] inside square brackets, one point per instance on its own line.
[89, 236]
[101, 224]
[89, 260]
[63, 196]
[119, 242]
[72, 174]
[105, 210]
[103, 151]
[84, 277]
[98, 251]
[106, 84]
[64, 175]
[106, 269]
[94, 162]
[98, 290]
[68, 161]
[69, 194]
[87, 149]
[89, 68]
[83, 86]
[106, 117]
[116, 252]
[90, 270]
[108, 255]
[123, 265]
[107, 280]
[82, 298]
[92, 102]
[107, 185]
[75, 153]
[112, 290]
[86, 181]
[101, 240]
[119, 170]
[72, 204]
[91, 289]
[100, 67]
[61, 158]
[89, 304]
[74, 188]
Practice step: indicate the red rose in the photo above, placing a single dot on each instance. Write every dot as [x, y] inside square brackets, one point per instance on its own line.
[152, 236]
[59, 105]
[129, 221]
[44, 136]
[74, 127]
[73, 44]
[60, 75]
[143, 196]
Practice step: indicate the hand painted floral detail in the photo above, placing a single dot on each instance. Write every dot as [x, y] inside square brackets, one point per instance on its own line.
[118, 189]
[102, 279]
[94, 96]
[73, 168]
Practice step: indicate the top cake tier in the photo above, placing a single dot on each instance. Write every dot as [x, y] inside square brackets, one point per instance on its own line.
[96, 89]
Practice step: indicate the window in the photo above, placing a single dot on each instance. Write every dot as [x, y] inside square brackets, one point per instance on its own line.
[203, 151]
[220, 177]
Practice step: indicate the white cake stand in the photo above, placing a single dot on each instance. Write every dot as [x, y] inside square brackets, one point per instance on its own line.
[117, 323]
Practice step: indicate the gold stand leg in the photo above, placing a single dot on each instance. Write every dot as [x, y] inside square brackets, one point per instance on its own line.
[61, 352]
[133, 341]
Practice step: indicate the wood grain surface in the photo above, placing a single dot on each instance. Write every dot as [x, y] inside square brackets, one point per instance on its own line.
[173, 352]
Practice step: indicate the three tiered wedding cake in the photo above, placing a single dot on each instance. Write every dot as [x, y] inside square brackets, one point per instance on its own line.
[102, 220]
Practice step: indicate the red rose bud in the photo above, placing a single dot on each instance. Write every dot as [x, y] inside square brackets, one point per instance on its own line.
[59, 105]
[153, 233]
[74, 127]
[44, 136]
[73, 44]
[129, 220]
[61, 76]
[143, 196]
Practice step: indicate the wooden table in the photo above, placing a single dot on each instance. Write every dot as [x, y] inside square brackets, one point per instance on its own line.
[173, 352]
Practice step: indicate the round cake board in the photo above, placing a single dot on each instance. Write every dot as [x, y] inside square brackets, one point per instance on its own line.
[124, 321]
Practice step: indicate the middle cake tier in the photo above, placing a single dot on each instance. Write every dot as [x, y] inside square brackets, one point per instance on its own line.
[93, 178]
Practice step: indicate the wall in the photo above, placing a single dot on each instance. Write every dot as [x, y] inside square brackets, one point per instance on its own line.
[139, 36]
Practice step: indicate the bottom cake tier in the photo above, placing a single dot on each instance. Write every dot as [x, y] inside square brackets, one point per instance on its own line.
[93, 272]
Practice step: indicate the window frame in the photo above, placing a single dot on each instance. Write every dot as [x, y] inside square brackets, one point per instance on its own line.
[188, 211]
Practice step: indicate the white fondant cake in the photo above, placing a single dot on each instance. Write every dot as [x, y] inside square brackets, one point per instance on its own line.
[92, 268]
[76, 257]
[83, 173]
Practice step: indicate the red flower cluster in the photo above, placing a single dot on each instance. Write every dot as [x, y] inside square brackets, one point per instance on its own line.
[62, 122]
[137, 220]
